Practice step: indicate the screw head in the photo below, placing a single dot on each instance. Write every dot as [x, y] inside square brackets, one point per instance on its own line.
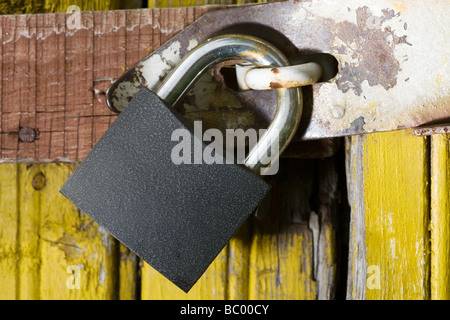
[27, 134]
[38, 181]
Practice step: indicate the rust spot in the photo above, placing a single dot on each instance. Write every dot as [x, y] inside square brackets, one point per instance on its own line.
[275, 85]
[275, 70]
[370, 47]
[218, 72]
[69, 246]
[120, 93]
[430, 130]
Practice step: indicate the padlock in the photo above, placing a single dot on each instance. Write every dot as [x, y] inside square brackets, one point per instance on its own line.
[178, 217]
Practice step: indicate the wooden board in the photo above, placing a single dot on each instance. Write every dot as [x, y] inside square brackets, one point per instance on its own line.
[440, 217]
[388, 181]
[54, 76]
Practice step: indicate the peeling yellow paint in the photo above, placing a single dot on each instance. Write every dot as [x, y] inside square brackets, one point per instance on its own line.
[238, 263]
[276, 260]
[440, 217]
[48, 6]
[43, 235]
[396, 214]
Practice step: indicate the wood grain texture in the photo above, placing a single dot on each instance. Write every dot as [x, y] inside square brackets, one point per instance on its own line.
[440, 217]
[45, 239]
[54, 75]
[389, 253]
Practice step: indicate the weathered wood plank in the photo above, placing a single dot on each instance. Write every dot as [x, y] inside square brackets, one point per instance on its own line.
[70, 240]
[45, 238]
[239, 249]
[440, 217]
[54, 74]
[297, 238]
[9, 221]
[185, 3]
[389, 248]
[357, 265]
[128, 274]
[282, 246]
[28, 234]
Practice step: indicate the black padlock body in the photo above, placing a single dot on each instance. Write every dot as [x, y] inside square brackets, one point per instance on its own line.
[177, 218]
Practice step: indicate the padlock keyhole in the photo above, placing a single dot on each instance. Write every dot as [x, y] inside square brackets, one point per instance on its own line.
[227, 76]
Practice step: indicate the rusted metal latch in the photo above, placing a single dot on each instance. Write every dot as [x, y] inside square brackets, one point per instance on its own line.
[385, 66]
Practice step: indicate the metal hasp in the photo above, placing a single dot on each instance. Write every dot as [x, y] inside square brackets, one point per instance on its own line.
[178, 216]
[392, 60]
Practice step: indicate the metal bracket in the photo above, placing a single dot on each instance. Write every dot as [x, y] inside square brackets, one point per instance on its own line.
[391, 60]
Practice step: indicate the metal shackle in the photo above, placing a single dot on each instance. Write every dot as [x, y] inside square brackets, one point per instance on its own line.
[256, 51]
